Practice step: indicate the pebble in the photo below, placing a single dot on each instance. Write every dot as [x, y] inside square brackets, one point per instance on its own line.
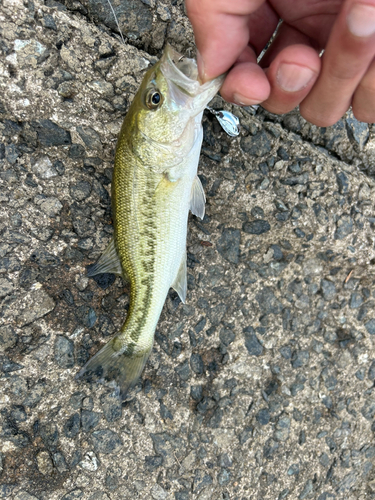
[252, 344]
[328, 289]
[370, 326]
[196, 364]
[268, 303]
[256, 227]
[344, 227]
[228, 244]
[50, 134]
[72, 425]
[80, 191]
[106, 441]
[263, 416]
[43, 168]
[64, 352]
[111, 406]
[256, 145]
[89, 420]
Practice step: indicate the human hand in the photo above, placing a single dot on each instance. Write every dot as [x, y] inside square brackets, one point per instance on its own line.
[291, 73]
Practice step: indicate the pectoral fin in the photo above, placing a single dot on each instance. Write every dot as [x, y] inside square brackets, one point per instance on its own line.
[197, 198]
[109, 262]
[180, 283]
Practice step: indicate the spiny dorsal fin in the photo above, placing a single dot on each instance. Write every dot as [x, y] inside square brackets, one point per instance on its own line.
[197, 198]
[180, 283]
[109, 262]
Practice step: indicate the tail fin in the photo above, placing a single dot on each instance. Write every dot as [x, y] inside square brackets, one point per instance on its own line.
[110, 365]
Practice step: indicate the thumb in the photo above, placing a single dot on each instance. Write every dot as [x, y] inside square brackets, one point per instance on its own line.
[221, 29]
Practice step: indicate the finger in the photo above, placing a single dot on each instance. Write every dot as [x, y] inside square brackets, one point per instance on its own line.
[292, 74]
[221, 31]
[364, 98]
[245, 84]
[348, 54]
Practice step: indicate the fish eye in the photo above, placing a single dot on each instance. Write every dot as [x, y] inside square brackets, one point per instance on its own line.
[153, 98]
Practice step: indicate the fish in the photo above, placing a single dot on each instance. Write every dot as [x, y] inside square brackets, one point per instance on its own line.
[154, 186]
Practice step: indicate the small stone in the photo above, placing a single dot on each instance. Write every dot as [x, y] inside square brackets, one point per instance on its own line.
[64, 352]
[158, 493]
[282, 429]
[24, 495]
[368, 409]
[51, 206]
[59, 166]
[67, 89]
[89, 420]
[308, 488]
[183, 370]
[286, 352]
[371, 371]
[77, 152]
[370, 326]
[357, 131]
[6, 288]
[43, 168]
[89, 462]
[342, 182]
[111, 405]
[90, 137]
[44, 463]
[60, 462]
[263, 416]
[99, 495]
[224, 477]
[228, 244]
[356, 300]
[196, 364]
[299, 358]
[32, 306]
[86, 316]
[80, 191]
[106, 441]
[112, 478]
[50, 134]
[252, 344]
[73, 495]
[152, 463]
[50, 435]
[256, 145]
[256, 227]
[226, 336]
[268, 302]
[344, 227]
[71, 426]
[328, 289]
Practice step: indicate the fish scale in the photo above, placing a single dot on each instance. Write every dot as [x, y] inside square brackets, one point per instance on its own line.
[154, 185]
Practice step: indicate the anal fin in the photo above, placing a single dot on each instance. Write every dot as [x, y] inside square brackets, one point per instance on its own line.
[180, 282]
[197, 198]
[109, 262]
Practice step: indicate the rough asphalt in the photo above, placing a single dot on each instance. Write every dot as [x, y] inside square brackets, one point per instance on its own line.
[261, 386]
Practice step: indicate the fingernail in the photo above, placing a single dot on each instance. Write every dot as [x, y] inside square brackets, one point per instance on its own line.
[361, 20]
[292, 77]
[200, 64]
[241, 100]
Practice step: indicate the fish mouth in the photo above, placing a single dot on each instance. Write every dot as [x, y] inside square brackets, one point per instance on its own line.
[182, 72]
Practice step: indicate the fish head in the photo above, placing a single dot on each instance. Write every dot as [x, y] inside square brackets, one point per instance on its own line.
[167, 110]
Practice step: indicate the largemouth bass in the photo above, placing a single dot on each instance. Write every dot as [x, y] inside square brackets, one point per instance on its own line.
[154, 186]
